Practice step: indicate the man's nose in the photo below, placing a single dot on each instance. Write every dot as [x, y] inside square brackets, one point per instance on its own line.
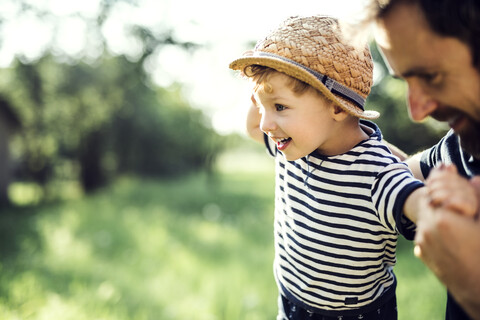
[420, 104]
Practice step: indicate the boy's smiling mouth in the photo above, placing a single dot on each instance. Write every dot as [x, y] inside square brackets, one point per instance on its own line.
[282, 143]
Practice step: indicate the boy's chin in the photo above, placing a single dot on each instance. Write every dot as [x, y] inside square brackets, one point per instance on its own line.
[293, 157]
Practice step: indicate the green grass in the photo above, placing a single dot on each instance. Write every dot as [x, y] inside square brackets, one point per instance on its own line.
[195, 248]
[420, 295]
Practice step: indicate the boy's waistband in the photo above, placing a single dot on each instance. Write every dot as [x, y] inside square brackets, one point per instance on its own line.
[385, 298]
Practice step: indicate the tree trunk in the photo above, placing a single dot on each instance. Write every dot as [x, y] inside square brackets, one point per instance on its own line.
[5, 167]
[91, 151]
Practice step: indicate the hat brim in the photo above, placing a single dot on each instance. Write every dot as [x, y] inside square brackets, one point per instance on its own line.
[299, 73]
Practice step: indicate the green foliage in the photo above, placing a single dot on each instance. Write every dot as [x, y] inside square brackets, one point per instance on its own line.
[102, 120]
[188, 248]
[91, 118]
[176, 138]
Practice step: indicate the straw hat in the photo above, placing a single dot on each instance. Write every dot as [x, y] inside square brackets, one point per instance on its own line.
[311, 49]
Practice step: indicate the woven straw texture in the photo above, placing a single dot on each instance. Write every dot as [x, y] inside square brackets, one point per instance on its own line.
[316, 43]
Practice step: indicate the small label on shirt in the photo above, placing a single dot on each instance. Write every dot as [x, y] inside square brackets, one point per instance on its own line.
[353, 300]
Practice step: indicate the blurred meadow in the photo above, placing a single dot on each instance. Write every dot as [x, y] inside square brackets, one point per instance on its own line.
[199, 247]
[127, 189]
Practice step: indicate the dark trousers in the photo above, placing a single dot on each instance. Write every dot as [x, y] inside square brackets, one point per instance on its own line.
[388, 311]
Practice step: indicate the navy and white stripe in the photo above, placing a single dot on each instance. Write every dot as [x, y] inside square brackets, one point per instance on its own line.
[335, 225]
[449, 151]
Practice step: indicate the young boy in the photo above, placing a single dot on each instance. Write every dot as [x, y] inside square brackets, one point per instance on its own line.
[340, 193]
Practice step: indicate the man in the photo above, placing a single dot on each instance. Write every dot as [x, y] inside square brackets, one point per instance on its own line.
[434, 45]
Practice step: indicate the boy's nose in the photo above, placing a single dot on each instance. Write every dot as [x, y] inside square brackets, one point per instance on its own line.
[267, 123]
[420, 104]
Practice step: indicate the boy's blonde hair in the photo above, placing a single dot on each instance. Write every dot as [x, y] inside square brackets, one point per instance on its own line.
[261, 74]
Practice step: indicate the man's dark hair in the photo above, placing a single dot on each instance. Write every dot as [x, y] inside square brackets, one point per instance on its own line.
[450, 18]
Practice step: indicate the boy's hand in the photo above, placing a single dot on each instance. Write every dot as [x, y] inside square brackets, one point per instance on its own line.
[448, 189]
[253, 122]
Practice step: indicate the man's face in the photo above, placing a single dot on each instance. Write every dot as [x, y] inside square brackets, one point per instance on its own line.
[442, 82]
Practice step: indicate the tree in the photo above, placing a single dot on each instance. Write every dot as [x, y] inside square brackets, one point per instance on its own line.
[103, 119]
[92, 119]
[9, 124]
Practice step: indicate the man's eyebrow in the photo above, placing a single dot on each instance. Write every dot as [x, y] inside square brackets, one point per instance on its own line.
[412, 73]
[409, 73]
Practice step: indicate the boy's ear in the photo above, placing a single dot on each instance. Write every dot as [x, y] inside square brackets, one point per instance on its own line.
[338, 114]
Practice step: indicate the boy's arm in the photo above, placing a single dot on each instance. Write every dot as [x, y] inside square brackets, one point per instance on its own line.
[253, 123]
[416, 201]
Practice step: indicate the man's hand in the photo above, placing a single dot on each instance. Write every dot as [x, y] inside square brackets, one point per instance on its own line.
[449, 244]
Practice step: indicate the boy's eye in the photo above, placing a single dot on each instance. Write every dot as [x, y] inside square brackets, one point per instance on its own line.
[280, 107]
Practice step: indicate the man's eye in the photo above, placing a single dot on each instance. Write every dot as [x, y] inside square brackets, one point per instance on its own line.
[280, 107]
[431, 78]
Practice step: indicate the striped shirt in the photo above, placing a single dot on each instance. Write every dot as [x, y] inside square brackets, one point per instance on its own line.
[336, 225]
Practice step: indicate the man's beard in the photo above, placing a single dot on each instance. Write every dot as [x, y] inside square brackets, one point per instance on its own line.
[469, 133]
[470, 139]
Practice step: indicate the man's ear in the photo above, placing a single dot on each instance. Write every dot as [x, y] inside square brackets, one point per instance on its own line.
[338, 114]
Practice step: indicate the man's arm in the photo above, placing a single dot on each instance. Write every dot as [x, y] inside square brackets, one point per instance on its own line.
[414, 165]
[412, 161]
[396, 151]
[449, 244]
